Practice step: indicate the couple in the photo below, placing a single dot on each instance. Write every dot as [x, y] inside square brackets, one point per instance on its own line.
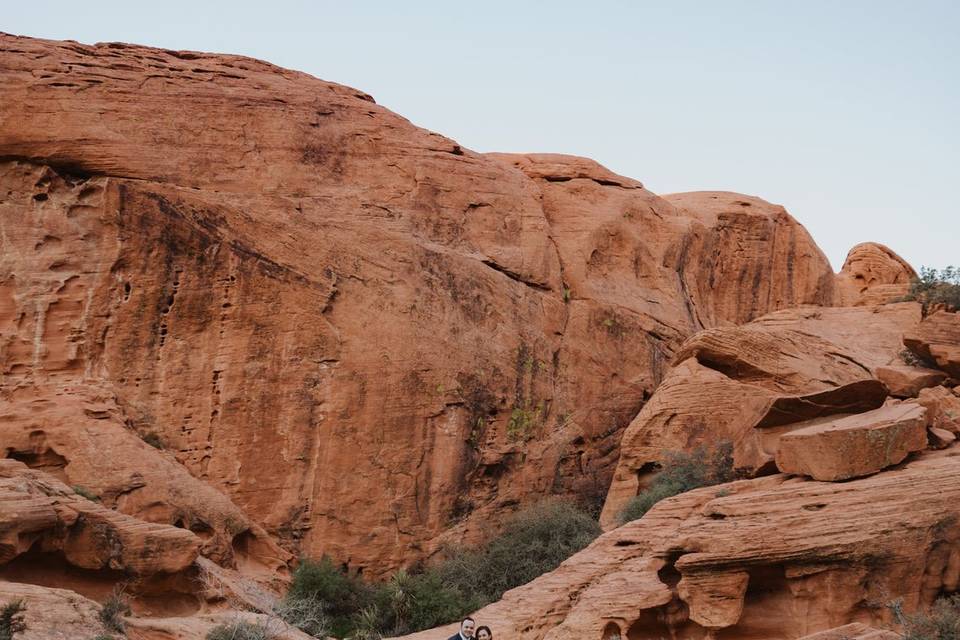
[470, 631]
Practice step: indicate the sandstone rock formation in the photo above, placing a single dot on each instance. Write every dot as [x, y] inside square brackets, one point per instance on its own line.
[906, 382]
[854, 446]
[775, 557]
[872, 274]
[256, 315]
[854, 631]
[53, 614]
[742, 383]
[937, 340]
[305, 296]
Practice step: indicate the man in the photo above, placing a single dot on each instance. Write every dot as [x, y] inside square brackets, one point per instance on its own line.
[467, 626]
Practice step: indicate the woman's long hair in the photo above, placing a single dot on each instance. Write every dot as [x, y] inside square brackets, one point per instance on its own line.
[483, 628]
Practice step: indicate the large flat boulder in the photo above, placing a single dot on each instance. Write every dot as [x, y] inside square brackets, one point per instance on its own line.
[854, 446]
[906, 382]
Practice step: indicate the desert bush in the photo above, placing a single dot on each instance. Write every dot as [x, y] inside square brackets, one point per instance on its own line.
[682, 472]
[86, 493]
[940, 622]
[241, 630]
[11, 619]
[936, 287]
[113, 610]
[306, 614]
[535, 540]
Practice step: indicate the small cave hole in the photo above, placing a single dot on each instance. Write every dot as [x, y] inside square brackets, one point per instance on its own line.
[40, 197]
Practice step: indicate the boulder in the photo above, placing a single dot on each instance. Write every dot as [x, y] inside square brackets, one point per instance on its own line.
[937, 340]
[856, 445]
[906, 382]
[53, 614]
[37, 512]
[940, 438]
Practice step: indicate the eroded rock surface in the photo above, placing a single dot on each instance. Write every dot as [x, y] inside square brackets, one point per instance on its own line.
[747, 384]
[305, 296]
[872, 274]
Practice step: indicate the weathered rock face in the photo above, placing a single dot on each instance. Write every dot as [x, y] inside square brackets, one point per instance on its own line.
[937, 340]
[746, 384]
[872, 274]
[38, 512]
[78, 434]
[856, 445]
[305, 296]
[854, 631]
[771, 558]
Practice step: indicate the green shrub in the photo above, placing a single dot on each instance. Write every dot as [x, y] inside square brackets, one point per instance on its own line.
[682, 472]
[523, 422]
[941, 622]
[113, 610]
[241, 630]
[86, 493]
[936, 287]
[535, 540]
[11, 619]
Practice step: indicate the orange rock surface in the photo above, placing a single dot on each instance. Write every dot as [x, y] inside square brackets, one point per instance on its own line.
[305, 296]
[741, 383]
[872, 274]
[258, 315]
[856, 445]
[937, 340]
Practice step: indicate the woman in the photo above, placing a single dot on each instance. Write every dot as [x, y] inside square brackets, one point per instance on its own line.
[484, 633]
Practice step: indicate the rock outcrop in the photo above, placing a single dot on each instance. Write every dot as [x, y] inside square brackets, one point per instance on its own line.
[872, 274]
[304, 296]
[746, 384]
[775, 557]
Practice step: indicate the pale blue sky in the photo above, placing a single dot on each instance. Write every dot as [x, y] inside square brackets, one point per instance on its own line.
[846, 112]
